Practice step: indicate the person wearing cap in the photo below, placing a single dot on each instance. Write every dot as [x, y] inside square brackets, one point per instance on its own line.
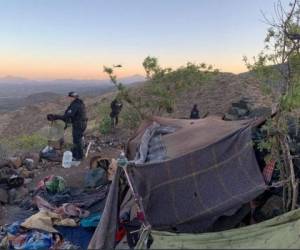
[75, 114]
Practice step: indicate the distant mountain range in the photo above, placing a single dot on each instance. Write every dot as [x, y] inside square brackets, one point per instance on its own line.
[16, 92]
[21, 80]
[17, 87]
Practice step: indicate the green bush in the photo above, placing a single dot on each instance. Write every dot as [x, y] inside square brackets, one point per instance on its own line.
[163, 86]
[105, 125]
[105, 122]
[34, 142]
[130, 118]
[23, 143]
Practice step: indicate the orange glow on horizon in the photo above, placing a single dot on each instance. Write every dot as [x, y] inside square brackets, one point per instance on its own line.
[50, 69]
[42, 72]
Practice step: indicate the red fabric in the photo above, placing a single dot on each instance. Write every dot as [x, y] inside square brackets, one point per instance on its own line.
[41, 183]
[120, 233]
[268, 171]
[140, 216]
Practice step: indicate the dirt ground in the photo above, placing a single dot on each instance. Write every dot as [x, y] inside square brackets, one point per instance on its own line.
[73, 176]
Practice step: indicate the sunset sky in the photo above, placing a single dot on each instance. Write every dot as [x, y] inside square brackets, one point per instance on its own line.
[50, 39]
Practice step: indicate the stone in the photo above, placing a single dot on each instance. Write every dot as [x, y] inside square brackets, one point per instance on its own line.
[242, 104]
[17, 195]
[230, 117]
[27, 181]
[29, 164]
[242, 112]
[26, 173]
[16, 161]
[260, 112]
[3, 196]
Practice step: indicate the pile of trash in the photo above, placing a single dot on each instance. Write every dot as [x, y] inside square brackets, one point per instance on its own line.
[243, 110]
[15, 174]
[60, 216]
[269, 204]
[98, 144]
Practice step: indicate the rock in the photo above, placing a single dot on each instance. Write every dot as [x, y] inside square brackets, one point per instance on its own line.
[3, 196]
[242, 112]
[12, 195]
[27, 181]
[242, 104]
[15, 161]
[17, 195]
[229, 117]
[260, 112]
[34, 156]
[26, 173]
[29, 164]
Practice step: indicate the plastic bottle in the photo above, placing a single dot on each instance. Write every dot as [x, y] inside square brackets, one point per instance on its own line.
[67, 159]
[122, 160]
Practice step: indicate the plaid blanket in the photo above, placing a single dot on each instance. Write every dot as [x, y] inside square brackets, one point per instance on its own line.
[268, 171]
[152, 147]
[191, 192]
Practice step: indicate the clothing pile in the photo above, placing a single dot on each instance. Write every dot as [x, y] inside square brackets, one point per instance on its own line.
[64, 217]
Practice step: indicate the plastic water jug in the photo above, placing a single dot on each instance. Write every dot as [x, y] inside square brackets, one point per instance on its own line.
[67, 159]
[122, 160]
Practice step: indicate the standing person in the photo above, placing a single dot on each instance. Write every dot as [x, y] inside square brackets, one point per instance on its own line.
[116, 107]
[75, 114]
[194, 112]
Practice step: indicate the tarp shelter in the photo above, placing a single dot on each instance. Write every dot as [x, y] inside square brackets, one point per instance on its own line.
[188, 173]
[281, 232]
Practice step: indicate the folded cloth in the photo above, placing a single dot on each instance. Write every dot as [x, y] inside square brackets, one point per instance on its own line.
[86, 198]
[66, 210]
[91, 221]
[44, 220]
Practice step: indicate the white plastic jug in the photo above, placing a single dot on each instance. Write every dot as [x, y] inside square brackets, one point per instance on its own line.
[67, 159]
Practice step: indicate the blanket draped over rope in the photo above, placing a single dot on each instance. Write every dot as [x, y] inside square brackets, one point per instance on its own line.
[213, 179]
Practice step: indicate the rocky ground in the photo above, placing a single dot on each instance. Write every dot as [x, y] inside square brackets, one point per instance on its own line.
[32, 169]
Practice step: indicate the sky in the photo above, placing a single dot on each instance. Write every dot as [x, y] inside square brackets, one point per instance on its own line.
[54, 39]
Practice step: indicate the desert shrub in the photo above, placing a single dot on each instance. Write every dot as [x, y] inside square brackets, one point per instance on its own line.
[34, 142]
[105, 125]
[23, 143]
[105, 121]
[130, 118]
[162, 87]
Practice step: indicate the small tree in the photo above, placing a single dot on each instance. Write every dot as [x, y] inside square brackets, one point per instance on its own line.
[162, 87]
[279, 62]
[124, 93]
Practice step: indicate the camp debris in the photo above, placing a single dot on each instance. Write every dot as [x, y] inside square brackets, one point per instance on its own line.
[182, 184]
[191, 182]
[57, 216]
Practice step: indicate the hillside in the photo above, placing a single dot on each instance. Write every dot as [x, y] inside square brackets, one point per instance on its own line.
[217, 97]
[214, 98]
